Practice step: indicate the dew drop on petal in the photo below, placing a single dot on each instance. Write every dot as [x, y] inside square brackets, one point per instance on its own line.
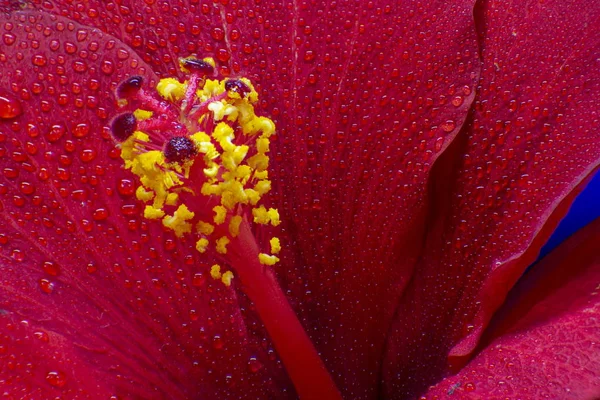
[126, 187]
[51, 268]
[10, 107]
[217, 342]
[254, 365]
[100, 214]
[448, 126]
[198, 279]
[46, 286]
[42, 336]
[56, 379]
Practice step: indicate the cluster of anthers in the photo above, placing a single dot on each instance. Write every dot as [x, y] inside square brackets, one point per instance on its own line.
[200, 153]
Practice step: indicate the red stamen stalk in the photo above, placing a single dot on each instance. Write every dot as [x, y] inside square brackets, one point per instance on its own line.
[300, 358]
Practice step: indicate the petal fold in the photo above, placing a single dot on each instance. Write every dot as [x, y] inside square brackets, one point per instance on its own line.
[545, 341]
[531, 145]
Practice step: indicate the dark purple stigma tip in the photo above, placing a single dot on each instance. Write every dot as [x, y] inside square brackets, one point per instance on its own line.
[199, 66]
[123, 126]
[237, 86]
[180, 149]
[129, 87]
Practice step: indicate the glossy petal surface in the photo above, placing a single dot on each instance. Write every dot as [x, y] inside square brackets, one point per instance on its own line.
[500, 191]
[547, 335]
[365, 97]
[95, 301]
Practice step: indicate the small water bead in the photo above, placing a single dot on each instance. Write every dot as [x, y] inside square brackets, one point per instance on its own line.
[51, 268]
[42, 336]
[254, 365]
[55, 133]
[46, 286]
[10, 106]
[17, 255]
[448, 126]
[126, 187]
[39, 60]
[56, 378]
[100, 214]
[198, 280]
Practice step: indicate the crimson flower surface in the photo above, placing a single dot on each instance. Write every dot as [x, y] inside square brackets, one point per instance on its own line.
[424, 153]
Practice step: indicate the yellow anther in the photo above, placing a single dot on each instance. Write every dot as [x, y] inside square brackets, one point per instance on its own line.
[261, 216]
[226, 278]
[211, 88]
[221, 245]
[262, 145]
[129, 147]
[243, 172]
[210, 60]
[212, 171]
[261, 174]
[205, 228]
[274, 216]
[200, 137]
[267, 259]
[153, 213]
[252, 195]
[221, 109]
[142, 115]
[215, 271]
[275, 245]
[234, 225]
[259, 162]
[171, 89]
[220, 213]
[172, 199]
[144, 195]
[263, 186]
[201, 245]
[178, 222]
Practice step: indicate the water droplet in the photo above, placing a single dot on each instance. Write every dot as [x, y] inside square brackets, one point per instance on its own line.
[39, 60]
[126, 187]
[51, 268]
[448, 126]
[55, 133]
[218, 342]
[198, 279]
[254, 365]
[56, 379]
[43, 336]
[10, 107]
[46, 285]
[100, 214]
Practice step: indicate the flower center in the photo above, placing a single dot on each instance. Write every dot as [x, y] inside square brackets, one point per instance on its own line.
[200, 153]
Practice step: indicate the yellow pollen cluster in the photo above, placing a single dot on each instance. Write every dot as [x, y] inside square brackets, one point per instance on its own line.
[233, 169]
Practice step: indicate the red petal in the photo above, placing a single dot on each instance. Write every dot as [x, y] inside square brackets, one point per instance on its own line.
[124, 304]
[549, 343]
[532, 141]
[365, 95]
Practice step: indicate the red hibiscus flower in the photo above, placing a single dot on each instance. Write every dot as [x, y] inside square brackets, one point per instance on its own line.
[424, 152]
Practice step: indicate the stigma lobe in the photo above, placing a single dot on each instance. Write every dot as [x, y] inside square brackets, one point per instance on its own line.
[179, 149]
[199, 66]
[123, 126]
[237, 86]
[129, 87]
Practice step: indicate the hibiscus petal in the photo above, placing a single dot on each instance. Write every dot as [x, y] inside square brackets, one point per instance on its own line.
[500, 191]
[95, 301]
[547, 336]
[365, 97]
